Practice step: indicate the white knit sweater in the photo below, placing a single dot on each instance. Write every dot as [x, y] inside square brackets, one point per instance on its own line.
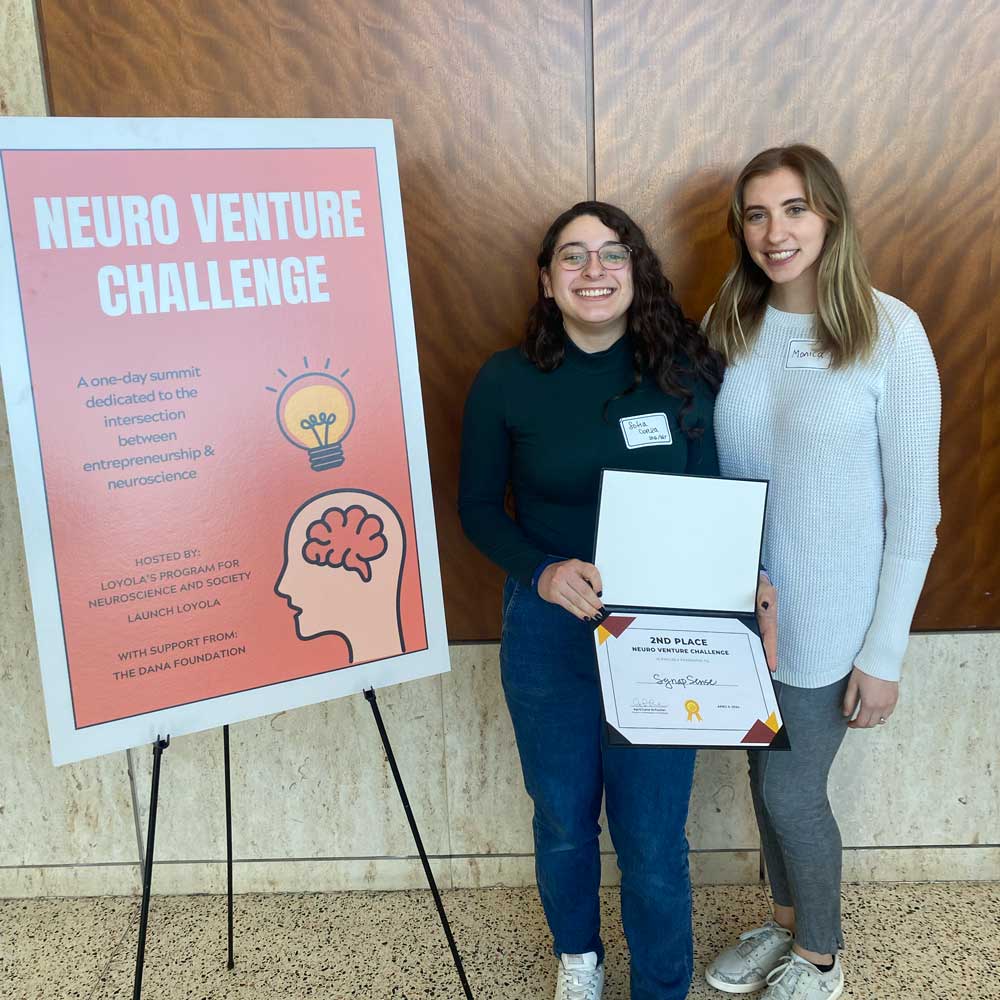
[852, 507]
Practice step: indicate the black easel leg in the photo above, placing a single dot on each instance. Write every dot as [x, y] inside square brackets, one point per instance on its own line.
[370, 696]
[147, 875]
[229, 839]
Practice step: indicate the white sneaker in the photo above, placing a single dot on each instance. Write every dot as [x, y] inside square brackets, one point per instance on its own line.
[797, 979]
[744, 967]
[580, 977]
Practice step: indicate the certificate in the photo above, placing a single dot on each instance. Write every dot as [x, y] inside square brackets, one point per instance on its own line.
[679, 655]
[685, 680]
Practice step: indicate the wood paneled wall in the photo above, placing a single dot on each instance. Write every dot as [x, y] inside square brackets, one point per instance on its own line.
[492, 126]
[903, 96]
[484, 164]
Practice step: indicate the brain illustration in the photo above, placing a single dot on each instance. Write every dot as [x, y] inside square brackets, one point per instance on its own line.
[350, 538]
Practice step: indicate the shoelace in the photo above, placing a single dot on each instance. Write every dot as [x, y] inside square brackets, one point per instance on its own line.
[579, 985]
[750, 942]
[790, 970]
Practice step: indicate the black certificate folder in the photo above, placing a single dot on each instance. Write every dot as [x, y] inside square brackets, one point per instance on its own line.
[679, 653]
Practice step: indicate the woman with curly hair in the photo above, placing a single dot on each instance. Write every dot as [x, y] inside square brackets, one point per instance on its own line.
[605, 342]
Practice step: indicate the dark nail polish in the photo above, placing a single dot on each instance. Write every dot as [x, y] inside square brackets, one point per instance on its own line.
[587, 619]
[765, 604]
[600, 593]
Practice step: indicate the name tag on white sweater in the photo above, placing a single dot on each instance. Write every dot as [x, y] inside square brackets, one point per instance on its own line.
[807, 354]
[646, 430]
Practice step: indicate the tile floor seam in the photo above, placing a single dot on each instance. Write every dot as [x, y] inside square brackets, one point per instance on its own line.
[343, 858]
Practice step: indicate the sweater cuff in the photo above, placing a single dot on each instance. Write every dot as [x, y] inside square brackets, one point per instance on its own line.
[541, 567]
[885, 644]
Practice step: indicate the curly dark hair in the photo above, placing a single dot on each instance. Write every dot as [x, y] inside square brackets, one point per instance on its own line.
[665, 343]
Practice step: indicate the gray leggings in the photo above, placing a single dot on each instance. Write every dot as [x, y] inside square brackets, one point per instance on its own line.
[799, 836]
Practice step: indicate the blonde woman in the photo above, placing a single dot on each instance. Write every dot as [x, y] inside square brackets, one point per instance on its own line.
[831, 393]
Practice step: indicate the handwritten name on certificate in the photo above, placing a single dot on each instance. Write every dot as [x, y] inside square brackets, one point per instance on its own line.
[676, 680]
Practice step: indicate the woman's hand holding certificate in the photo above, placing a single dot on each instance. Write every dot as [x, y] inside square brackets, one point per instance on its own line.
[767, 619]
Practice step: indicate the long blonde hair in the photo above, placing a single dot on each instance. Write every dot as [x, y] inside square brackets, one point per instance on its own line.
[846, 320]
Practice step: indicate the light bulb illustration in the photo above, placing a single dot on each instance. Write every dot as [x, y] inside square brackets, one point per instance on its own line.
[316, 412]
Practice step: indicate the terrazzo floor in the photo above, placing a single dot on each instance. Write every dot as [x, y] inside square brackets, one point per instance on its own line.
[926, 941]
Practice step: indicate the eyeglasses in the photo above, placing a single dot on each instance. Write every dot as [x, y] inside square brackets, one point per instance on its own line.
[574, 256]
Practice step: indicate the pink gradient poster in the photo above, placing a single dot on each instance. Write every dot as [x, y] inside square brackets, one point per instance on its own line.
[221, 459]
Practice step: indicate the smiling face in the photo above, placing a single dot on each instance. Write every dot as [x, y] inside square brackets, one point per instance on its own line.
[593, 301]
[783, 234]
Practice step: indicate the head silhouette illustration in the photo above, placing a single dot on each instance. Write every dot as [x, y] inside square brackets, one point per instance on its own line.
[344, 553]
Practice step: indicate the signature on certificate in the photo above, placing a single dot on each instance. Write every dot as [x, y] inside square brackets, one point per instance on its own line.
[689, 680]
[648, 706]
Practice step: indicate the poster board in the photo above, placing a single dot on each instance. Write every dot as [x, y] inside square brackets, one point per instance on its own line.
[211, 382]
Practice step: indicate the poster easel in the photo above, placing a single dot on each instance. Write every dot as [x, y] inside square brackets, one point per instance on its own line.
[162, 743]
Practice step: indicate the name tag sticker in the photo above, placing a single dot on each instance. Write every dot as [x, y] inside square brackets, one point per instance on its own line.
[807, 354]
[646, 430]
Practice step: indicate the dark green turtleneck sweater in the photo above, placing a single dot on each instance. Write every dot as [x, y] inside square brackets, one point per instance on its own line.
[547, 435]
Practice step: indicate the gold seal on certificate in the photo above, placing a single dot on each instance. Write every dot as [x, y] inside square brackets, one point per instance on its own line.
[679, 655]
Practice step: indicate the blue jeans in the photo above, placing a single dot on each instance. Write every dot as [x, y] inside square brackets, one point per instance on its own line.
[550, 680]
